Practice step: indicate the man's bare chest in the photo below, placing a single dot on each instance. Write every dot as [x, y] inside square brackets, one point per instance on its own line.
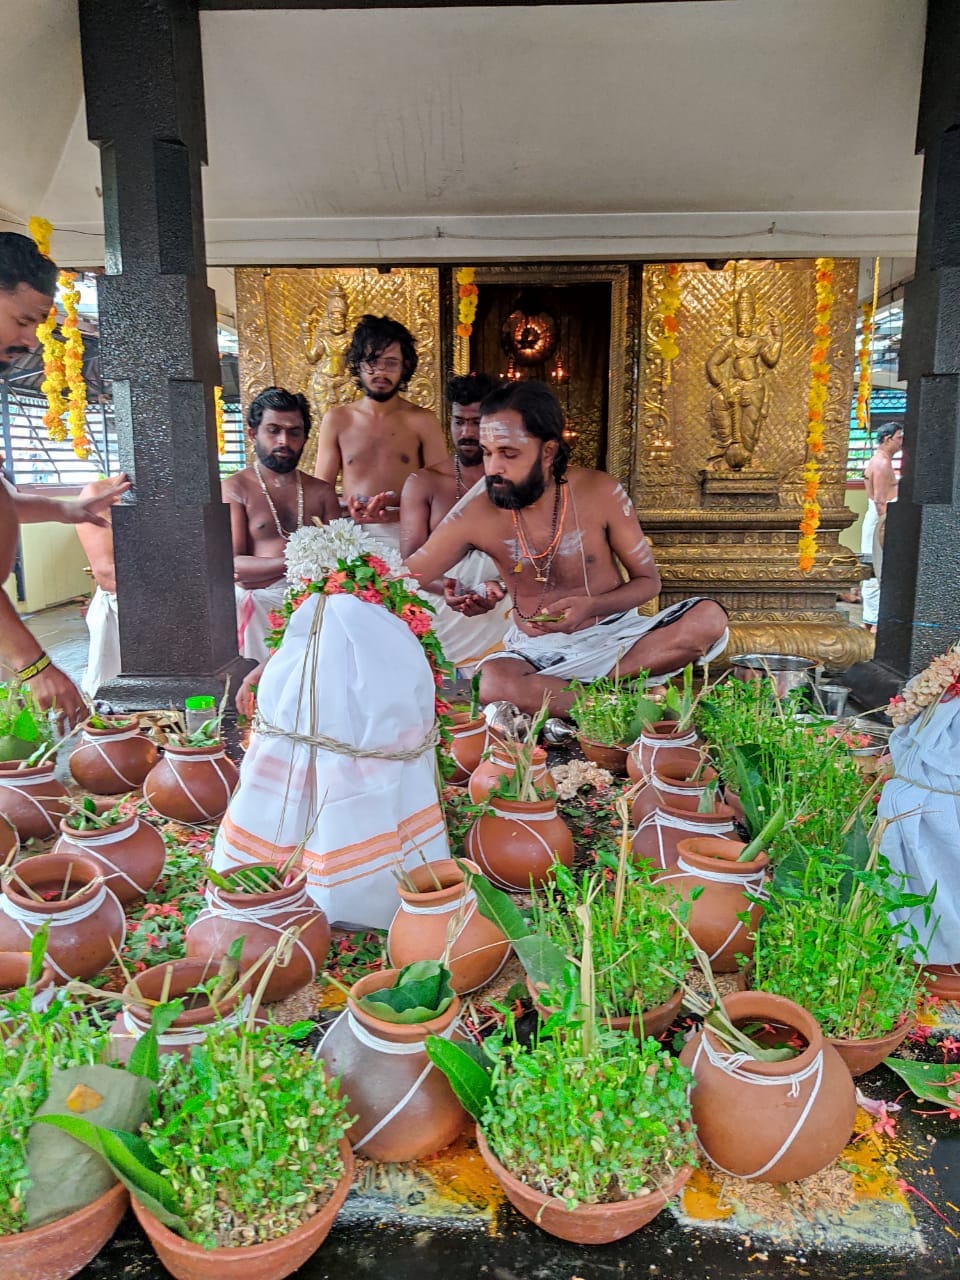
[394, 442]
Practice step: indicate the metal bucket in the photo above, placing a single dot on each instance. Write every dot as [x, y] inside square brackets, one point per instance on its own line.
[785, 671]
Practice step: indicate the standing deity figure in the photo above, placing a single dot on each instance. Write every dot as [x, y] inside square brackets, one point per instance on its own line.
[326, 339]
[738, 368]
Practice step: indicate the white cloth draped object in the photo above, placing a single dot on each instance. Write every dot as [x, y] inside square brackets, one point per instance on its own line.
[355, 674]
[869, 539]
[103, 659]
[466, 640]
[253, 625]
[595, 651]
[922, 805]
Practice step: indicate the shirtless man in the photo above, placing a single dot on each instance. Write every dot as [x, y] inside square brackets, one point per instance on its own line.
[376, 442]
[28, 282]
[269, 501]
[473, 624]
[880, 482]
[556, 538]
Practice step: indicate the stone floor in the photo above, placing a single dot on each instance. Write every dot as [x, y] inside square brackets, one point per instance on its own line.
[444, 1218]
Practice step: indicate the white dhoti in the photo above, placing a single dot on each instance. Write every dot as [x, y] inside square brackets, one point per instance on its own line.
[870, 589]
[103, 660]
[921, 804]
[466, 641]
[253, 623]
[353, 675]
[595, 651]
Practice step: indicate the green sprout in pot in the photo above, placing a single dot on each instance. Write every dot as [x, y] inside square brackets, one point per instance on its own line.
[85, 816]
[584, 1114]
[272, 1158]
[521, 783]
[613, 711]
[829, 940]
[639, 953]
[420, 993]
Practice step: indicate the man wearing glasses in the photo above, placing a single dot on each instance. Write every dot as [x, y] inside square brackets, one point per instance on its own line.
[379, 440]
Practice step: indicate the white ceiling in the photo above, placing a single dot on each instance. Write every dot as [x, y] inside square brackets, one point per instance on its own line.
[706, 129]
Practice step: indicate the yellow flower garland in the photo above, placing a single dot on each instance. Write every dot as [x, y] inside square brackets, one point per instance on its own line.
[218, 414]
[807, 546]
[664, 322]
[865, 378]
[62, 361]
[467, 292]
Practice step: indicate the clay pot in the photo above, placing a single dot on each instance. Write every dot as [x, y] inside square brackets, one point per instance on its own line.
[110, 761]
[588, 1223]
[800, 1112]
[726, 889]
[501, 763]
[404, 1106]
[517, 842]
[14, 972]
[191, 784]
[671, 784]
[9, 842]
[32, 800]
[862, 1056]
[611, 758]
[942, 980]
[470, 740]
[130, 854]
[658, 744]
[270, 1261]
[84, 930]
[659, 833]
[190, 1027]
[420, 928]
[260, 919]
[653, 1022]
[62, 1248]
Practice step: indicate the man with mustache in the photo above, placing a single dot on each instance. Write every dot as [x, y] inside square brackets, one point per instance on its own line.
[559, 539]
[473, 624]
[28, 283]
[268, 501]
[376, 442]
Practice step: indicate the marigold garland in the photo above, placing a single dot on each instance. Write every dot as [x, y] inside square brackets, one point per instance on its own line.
[218, 416]
[63, 361]
[865, 378]
[807, 546]
[467, 292]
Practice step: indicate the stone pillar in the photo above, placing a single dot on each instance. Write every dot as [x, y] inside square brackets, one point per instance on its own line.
[143, 79]
[920, 586]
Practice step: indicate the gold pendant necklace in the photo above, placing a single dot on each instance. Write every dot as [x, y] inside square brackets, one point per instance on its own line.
[284, 534]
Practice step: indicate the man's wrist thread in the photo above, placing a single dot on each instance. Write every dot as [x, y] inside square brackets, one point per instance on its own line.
[35, 667]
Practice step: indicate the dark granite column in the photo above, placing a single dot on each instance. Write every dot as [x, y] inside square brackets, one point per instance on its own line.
[920, 592]
[143, 79]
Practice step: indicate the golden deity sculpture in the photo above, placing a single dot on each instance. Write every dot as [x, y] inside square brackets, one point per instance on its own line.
[739, 367]
[325, 340]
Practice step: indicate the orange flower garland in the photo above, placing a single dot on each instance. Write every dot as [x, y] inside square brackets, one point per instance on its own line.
[218, 415]
[865, 378]
[807, 547]
[63, 361]
[467, 292]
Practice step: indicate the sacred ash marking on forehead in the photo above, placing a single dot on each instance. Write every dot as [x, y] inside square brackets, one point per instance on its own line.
[495, 432]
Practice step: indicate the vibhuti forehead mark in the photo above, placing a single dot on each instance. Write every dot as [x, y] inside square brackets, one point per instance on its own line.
[494, 432]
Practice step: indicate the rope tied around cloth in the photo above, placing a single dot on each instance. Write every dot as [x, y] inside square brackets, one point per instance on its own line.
[344, 748]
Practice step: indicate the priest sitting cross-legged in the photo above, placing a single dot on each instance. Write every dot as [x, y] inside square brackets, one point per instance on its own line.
[268, 501]
[558, 538]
